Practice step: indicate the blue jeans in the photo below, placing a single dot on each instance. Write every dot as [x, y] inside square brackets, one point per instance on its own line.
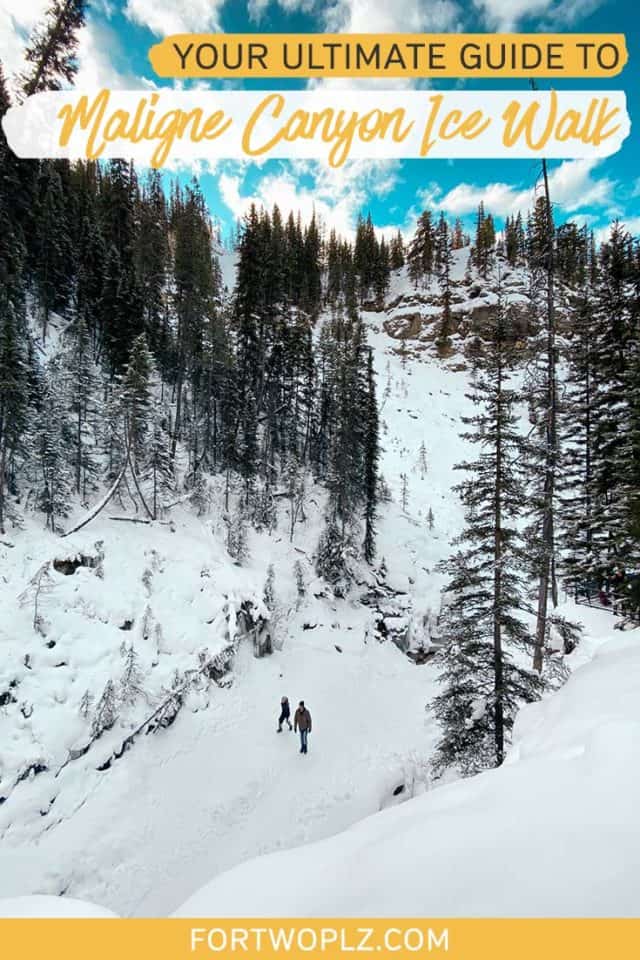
[303, 740]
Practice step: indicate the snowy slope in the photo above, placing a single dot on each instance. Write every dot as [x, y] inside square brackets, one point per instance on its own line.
[219, 787]
[551, 833]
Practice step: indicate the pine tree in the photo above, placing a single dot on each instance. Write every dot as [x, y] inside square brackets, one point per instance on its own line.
[52, 260]
[444, 259]
[13, 397]
[423, 464]
[420, 257]
[52, 48]
[131, 680]
[396, 252]
[81, 395]
[371, 460]
[269, 595]
[482, 684]
[86, 704]
[237, 544]
[106, 711]
[301, 587]
[614, 349]
[52, 451]
[137, 399]
[333, 557]
[484, 241]
[545, 447]
[404, 492]
[159, 477]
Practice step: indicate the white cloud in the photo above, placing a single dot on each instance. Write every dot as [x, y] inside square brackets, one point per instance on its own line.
[96, 43]
[257, 8]
[505, 15]
[95, 68]
[632, 224]
[391, 16]
[336, 197]
[17, 20]
[571, 185]
[163, 17]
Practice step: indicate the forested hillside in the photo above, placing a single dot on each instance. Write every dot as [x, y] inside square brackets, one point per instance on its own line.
[357, 448]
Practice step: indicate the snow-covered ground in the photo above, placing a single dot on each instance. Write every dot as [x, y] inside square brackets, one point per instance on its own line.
[551, 833]
[219, 788]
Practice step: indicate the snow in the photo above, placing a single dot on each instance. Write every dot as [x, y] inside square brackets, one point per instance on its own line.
[551, 833]
[51, 908]
[219, 800]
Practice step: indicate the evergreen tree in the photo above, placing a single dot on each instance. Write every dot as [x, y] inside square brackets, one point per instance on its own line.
[137, 400]
[420, 257]
[482, 684]
[51, 440]
[269, 595]
[52, 246]
[106, 711]
[371, 460]
[484, 242]
[52, 48]
[131, 680]
[13, 397]
[444, 259]
[396, 252]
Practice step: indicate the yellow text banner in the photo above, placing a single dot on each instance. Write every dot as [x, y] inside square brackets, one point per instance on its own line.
[389, 55]
[333, 939]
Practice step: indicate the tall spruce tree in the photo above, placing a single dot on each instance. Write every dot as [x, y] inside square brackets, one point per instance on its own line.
[52, 48]
[482, 683]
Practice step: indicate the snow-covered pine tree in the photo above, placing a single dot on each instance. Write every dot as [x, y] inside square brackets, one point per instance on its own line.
[52, 259]
[483, 250]
[137, 400]
[13, 396]
[544, 446]
[334, 554]
[130, 687]
[106, 712]
[158, 470]
[269, 592]
[52, 450]
[86, 703]
[577, 428]
[301, 587]
[396, 252]
[423, 463]
[371, 461]
[404, 492]
[443, 261]
[482, 627]
[615, 329]
[81, 383]
[420, 256]
[237, 541]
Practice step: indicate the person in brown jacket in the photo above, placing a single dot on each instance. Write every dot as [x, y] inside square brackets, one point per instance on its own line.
[302, 722]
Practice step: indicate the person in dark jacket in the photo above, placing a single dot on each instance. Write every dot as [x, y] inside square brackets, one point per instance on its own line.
[285, 713]
[302, 722]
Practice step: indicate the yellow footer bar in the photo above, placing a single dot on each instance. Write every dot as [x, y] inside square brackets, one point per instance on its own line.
[333, 939]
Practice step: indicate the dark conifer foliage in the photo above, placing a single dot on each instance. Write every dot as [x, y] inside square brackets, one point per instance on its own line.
[483, 683]
[51, 51]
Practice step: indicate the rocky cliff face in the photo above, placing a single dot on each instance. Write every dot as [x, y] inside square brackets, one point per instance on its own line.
[413, 314]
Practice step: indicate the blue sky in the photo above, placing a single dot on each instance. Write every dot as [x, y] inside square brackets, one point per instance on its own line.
[119, 33]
